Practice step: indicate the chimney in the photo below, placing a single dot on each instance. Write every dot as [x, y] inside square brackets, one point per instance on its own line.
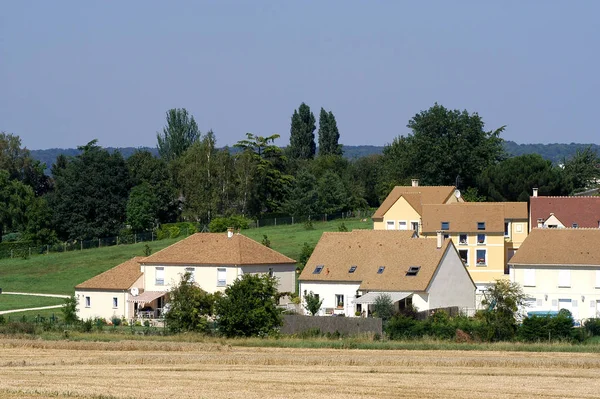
[535, 192]
[229, 232]
[415, 182]
[540, 223]
[440, 238]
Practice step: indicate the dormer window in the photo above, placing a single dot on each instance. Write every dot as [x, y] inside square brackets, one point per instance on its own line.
[318, 269]
[445, 225]
[413, 270]
[480, 225]
[352, 269]
[380, 270]
[575, 225]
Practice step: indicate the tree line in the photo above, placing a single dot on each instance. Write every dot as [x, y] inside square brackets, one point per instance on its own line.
[98, 192]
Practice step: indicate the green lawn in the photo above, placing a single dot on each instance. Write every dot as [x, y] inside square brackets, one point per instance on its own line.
[32, 315]
[9, 302]
[59, 273]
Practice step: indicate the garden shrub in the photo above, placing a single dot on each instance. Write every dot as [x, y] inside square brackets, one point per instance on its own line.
[548, 327]
[592, 327]
[219, 225]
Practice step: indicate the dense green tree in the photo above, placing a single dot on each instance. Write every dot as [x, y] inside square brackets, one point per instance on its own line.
[383, 307]
[189, 306]
[90, 194]
[15, 200]
[514, 178]
[582, 170]
[329, 134]
[303, 198]
[19, 164]
[178, 135]
[142, 207]
[333, 196]
[249, 307]
[312, 303]
[365, 173]
[302, 134]
[305, 254]
[445, 146]
[39, 228]
[503, 300]
[69, 310]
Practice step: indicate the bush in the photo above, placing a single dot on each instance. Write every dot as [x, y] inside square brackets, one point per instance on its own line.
[20, 249]
[219, 225]
[19, 327]
[542, 328]
[342, 227]
[592, 327]
[174, 230]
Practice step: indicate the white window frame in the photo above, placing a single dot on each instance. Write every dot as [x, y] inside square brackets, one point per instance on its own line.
[466, 242]
[477, 263]
[192, 271]
[467, 260]
[88, 302]
[389, 223]
[159, 275]
[115, 302]
[221, 277]
[564, 279]
[402, 223]
[337, 301]
[528, 277]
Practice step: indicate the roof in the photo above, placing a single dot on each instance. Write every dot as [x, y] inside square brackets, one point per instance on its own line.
[585, 211]
[463, 217]
[515, 210]
[370, 249]
[217, 249]
[120, 277]
[559, 247]
[416, 196]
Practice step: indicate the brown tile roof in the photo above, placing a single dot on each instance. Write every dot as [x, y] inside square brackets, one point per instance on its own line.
[515, 210]
[416, 197]
[585, 211]
[120, 277]
[218, 249]
[464, 216]
[559, 247]
[370, 249]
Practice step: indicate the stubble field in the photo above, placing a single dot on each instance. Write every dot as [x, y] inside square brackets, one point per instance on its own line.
[128, 369]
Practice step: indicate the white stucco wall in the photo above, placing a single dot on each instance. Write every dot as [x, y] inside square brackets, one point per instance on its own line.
[545, 293]
[101, 304]
[451, 285]
[327, 292]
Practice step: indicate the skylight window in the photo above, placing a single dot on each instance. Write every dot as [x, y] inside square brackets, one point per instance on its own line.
[381, 269]
[480, 225]
[318, 269]
[352, 269]
[445, 225]
[413, 270]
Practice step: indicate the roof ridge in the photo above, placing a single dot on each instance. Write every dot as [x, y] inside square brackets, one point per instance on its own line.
[269, 248]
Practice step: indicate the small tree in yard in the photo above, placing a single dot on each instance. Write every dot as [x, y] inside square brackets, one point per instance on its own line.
[189, 307]
[69, 310]
[383, 307]
[312, 303]
[249, 307]
[503, 299]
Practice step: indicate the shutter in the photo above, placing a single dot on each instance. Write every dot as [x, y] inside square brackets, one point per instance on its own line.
[564, 278]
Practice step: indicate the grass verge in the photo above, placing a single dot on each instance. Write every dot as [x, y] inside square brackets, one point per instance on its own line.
[9, 302]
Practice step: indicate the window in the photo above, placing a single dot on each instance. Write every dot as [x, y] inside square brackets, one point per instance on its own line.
[380, 270]
[192, 272]
[159, 276]
[413, 270]
[480, 225]
[402, 225]
[270, 272]
[339, 301]
[88, 302]
[564, 278]
[318, 269]
[445, 225]
[463, 239]
[352, 269]
[446, 236]
[575, 225]
[464, 256]
[519, 227]
[506, 229]
[221, 277]
[480, 238]
[115, 302]
[390, 225]
[529, 277]
[414, 226]
[481, 257]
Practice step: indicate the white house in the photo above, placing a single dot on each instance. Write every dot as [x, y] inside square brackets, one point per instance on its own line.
[560, 269]
[349, 270]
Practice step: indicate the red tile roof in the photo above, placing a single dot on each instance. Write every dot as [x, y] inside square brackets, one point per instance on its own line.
[585, 211]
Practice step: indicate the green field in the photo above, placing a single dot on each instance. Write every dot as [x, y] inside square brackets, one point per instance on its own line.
[9, 302]
[58, 273]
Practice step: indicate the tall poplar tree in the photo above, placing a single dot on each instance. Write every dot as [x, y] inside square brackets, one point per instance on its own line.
[178, 135]
[302, 134]
[329, 134]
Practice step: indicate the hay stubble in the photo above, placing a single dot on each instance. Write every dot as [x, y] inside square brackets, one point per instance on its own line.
[128, 369]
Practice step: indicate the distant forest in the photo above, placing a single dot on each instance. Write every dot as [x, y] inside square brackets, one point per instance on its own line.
[556, 153]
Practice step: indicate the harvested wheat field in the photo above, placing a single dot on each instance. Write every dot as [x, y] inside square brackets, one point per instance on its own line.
[128, 369]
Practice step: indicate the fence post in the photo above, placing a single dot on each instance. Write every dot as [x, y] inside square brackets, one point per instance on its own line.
[117, 240]
[257, 225]
[65, 246]
[11, 253]
[81, 245]
[135, 238]
[47, 249]
[152, 235]
[275, 221]
[29, 251]
[292, 220]
[99, 243]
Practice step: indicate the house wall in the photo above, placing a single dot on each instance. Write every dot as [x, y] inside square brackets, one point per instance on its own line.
[420, 300]
[545, 293]
[519, 231]
[494, 245]
[101, 304]
[206, 276]
[451, 284]
[400, 211]
[327, 292]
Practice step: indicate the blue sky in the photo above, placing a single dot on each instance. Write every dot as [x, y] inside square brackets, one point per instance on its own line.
[72, 71]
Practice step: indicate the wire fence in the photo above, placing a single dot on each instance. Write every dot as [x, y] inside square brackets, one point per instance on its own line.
[324, 217]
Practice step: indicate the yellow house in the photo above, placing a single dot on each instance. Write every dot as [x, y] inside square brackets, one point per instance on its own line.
[402, 208]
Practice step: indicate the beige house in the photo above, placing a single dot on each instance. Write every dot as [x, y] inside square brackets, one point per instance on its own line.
[349, 270]
[560, 269]
[402, 208]
[108, 294]
[140, 286]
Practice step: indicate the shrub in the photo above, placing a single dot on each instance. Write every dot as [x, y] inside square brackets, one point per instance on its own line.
[592, 326]
[312, 303]
[342, 227]
[116, 321]
[69, 310]
[266, 242]
[308, 225]
[219, 225]
[383, 307]
[548, 327]
[18, 327]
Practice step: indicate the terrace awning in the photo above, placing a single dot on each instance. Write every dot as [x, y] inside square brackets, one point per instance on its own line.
[370, 297]
[146, 297]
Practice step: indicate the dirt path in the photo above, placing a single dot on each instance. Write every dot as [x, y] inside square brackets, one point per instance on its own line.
[33, 294]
